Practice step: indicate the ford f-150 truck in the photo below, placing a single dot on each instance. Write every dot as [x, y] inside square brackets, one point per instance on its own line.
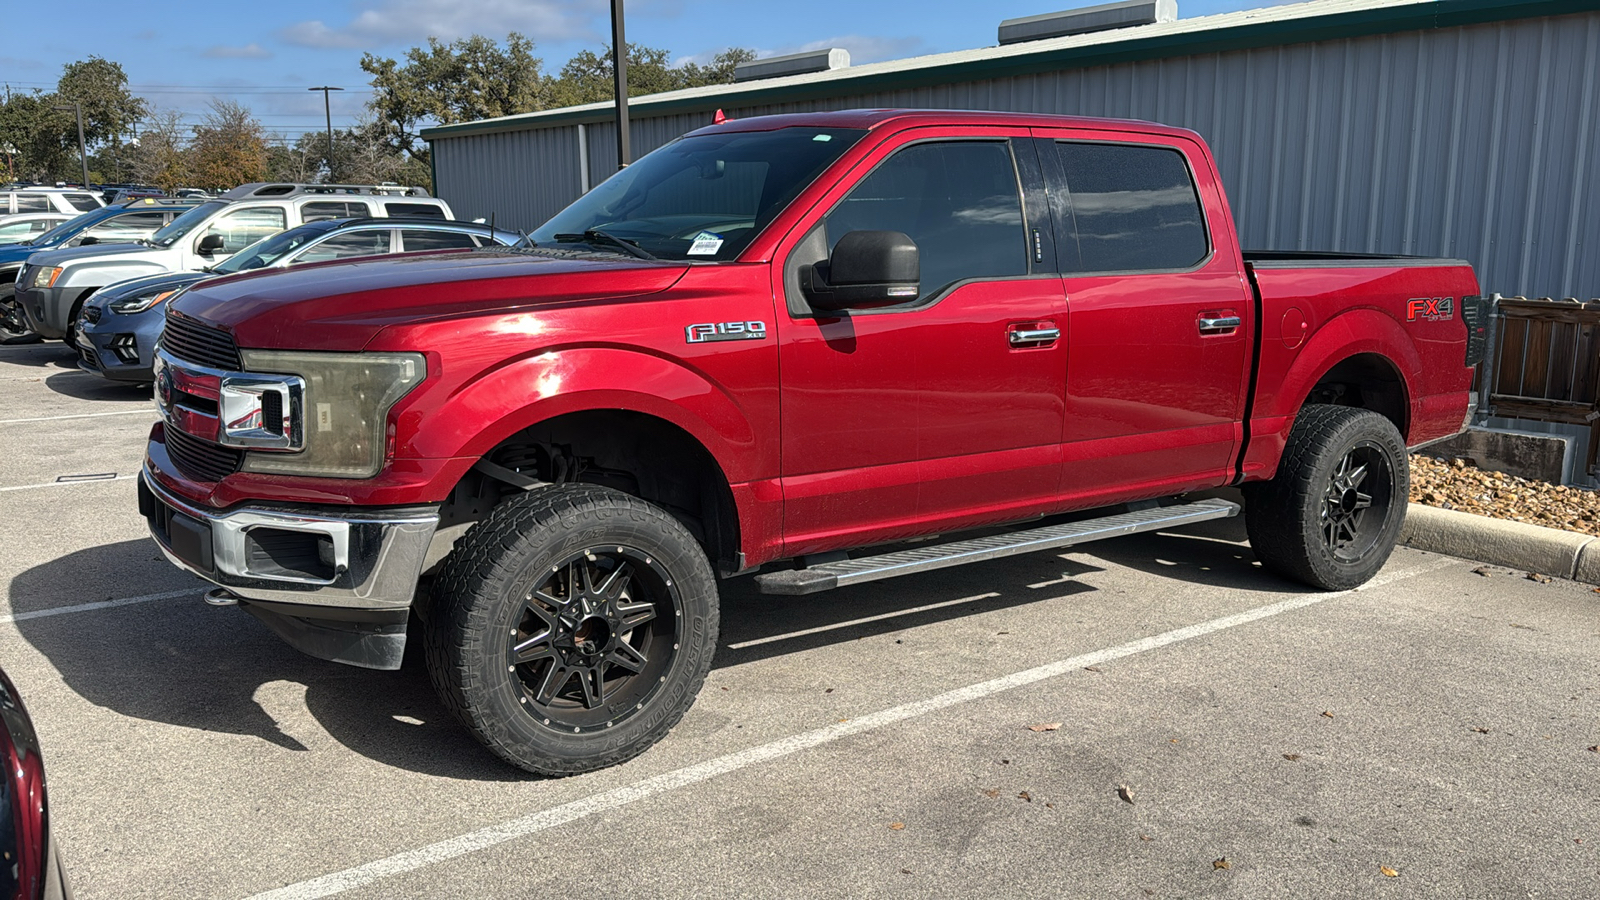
[756, 351]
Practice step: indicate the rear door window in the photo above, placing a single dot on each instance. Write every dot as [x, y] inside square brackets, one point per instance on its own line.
[243, 227]
[83, 202]
[319, 210]
[367, 242]
[415, 239]
[1134, 208]
[34, 203]
[413, 209]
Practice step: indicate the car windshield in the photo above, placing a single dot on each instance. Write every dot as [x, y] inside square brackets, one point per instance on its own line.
[268, 250]
[703, 197]
[66, 229]
[185, 223]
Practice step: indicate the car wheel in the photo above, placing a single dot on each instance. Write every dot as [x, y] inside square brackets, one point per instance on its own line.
[1332, 514]
[13, 327]
[572, 628]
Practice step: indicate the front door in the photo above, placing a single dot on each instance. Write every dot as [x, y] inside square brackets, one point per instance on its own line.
[945, 410]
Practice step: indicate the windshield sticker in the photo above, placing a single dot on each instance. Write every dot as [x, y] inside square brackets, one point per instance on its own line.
[705, 244]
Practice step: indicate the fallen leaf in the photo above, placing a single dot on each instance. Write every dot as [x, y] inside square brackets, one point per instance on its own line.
[1292, 757]
[897, 826]
[1172, 740]
[1002, 632]
[1542, 579]
[1092, 669]
[1389, 872]
[1146, 837]
[1025, 796]
[1326, 714]
[1125, 792]
[991, 794]
[828, 691]
[1485, 571]
[1053, 806]
[1480, 730]
[905, 871]
[1045, 726]
[1221, 863]
[1595, 749]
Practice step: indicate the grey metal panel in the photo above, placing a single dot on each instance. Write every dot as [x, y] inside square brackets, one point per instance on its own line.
[1478, 142]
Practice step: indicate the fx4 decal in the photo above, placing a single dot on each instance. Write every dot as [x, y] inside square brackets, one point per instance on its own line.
[709, 332]
[1431, 309]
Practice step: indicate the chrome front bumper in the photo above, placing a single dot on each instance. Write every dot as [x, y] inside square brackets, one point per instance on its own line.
[353, 560]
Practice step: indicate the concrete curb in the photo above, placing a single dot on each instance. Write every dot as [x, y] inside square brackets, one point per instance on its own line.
[1517, 545]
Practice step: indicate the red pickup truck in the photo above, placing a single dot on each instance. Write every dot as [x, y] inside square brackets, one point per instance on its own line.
[757, 350]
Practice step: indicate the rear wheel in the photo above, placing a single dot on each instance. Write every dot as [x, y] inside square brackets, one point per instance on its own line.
[1331, 515]
[572, 628]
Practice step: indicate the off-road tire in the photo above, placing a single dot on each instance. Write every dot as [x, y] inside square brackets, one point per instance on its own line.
[488, 585]
[1298, 520]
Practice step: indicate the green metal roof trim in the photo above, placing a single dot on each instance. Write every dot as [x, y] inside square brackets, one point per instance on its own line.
[1248, 35]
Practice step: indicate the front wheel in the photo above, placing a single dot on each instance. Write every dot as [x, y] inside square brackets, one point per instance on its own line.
[1332, 514]
[572, 628]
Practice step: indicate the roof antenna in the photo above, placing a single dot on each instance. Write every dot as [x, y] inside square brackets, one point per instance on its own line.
[491, 221]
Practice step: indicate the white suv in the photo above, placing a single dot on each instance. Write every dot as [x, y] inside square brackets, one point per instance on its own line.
[48, 199]
[53, 284]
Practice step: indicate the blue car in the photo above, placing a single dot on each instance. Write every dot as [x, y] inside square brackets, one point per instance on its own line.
[120, 323]
[120, 223]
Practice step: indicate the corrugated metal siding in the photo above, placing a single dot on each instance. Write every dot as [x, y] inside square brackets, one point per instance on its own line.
[1476, 142]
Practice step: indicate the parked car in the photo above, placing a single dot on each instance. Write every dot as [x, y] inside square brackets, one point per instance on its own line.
[120, 324]
[30, 866]
[120, 223]
[19, 227]
[49, 199]
[54, 284]
[763, 349]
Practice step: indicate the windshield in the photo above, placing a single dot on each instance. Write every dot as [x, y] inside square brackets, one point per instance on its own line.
[185, 223]
[704, 197]
[66, 230]
[268, 250]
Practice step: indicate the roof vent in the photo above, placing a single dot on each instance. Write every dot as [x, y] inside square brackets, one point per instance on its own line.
[1087, 19]
[793, 64]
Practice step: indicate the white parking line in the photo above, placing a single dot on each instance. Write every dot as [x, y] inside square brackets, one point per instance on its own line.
[902, 612]
[144, 411]
[411, 860]
[98, 604]
[45, 484]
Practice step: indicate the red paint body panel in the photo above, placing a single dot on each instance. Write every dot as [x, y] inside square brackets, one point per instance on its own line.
[846, 431]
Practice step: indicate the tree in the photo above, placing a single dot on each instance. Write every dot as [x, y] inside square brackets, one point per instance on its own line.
[587, 77]
[35, 136]
[109, 108]
[472, 78]
[230, 147]
[160, 156]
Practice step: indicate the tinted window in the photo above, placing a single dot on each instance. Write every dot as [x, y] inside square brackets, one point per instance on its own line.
[1135, 208]
[34, 203]
[414, 209]
[333, 209]
[130, 227]
[83, 202]
[348, 243]
[244, 227]
[958, 201]
[416, 239]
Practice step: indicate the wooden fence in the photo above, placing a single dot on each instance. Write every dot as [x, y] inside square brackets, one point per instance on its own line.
[1544, 364]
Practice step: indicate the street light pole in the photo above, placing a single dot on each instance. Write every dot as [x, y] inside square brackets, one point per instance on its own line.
[328, 114]
[83, 152]
[619, 70]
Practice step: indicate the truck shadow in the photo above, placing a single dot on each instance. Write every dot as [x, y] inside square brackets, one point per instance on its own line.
[178, 662]
[43, 354]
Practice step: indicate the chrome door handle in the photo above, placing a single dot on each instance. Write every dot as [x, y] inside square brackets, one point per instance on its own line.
[1033, 335]
[1218, 325]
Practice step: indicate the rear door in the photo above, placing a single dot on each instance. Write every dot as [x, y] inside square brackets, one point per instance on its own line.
[935, 410]
[1160, 315]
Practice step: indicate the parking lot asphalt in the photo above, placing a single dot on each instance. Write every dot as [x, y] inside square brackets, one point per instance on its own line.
[1221, 731]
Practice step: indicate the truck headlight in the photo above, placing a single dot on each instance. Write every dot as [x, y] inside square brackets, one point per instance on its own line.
[347, 400]
[43, 278]
[130, 305]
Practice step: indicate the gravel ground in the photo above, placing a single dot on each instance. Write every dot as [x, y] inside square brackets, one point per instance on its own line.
[1458, 484]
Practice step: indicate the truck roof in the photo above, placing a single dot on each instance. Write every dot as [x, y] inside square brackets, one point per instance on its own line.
[910, 118]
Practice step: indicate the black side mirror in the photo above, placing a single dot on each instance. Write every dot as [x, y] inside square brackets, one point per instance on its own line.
[209, 244]
[87, 241]
[868, 269]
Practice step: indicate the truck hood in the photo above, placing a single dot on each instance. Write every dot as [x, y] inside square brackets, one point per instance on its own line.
[342, 305]
[93, 251]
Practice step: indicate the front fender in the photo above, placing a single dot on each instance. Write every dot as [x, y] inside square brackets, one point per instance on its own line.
[470, 420]
[99, 273]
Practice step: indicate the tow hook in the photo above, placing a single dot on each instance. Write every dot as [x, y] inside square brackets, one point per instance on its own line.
[222, 597]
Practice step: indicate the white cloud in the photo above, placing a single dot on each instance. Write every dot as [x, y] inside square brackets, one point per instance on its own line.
[378, 23]
[248, 51]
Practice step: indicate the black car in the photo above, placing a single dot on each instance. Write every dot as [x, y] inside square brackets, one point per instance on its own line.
[29, 867]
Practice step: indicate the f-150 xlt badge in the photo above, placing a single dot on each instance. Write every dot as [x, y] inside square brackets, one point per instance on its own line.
[708, 332]
[1431, 309]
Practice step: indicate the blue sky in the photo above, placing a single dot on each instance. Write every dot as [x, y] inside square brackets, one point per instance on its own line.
[180, 55]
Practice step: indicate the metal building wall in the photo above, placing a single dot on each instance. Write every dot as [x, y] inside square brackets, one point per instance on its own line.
[1477, 142]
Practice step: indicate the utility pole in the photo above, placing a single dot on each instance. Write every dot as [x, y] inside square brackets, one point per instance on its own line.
[83, 152]
[328, 114]
[619, 69]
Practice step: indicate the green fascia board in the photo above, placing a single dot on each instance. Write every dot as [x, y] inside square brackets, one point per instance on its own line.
[1246, 36]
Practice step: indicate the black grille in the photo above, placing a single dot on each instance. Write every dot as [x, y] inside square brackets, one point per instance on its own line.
[201, 460]
[195, 343]
[88, 357]
[91, 314]
[272, 412]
